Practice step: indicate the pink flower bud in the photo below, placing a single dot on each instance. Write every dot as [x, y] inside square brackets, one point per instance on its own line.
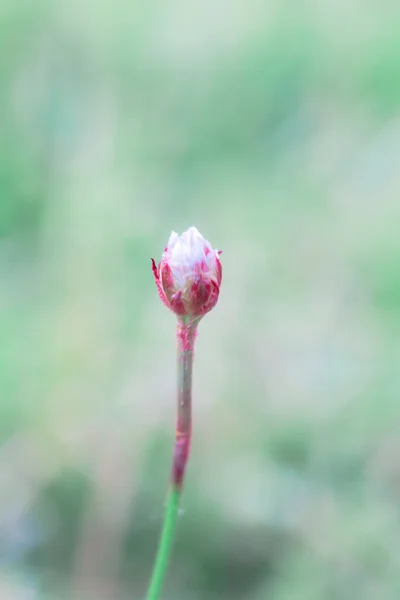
[189, 275]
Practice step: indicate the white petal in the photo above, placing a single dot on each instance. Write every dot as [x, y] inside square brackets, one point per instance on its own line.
[173, 239]
[193, 233]
[185, 252]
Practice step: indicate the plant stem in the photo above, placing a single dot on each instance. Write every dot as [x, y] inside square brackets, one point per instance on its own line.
[164, 548]
[186, 334]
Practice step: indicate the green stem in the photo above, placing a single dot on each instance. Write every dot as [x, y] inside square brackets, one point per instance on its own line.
[186, 334]
[164, 548]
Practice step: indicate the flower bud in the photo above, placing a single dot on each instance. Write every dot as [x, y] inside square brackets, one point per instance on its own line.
[189, 275]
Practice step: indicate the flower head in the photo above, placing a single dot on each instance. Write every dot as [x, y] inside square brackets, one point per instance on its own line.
[189, 275]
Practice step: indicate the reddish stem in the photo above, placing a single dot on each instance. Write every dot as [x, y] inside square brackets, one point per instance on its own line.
[186, 334]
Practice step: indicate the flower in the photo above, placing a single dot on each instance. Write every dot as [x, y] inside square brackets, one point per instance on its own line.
[189, 275]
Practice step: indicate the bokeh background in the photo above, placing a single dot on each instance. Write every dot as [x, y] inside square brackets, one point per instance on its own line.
[273, 127]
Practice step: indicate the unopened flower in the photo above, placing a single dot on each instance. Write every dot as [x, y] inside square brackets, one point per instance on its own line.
[189, 275]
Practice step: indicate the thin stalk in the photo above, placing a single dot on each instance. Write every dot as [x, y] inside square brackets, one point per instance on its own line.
[186, 333]
[165, 545]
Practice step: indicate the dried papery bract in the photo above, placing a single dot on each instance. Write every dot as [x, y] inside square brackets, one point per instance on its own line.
[188, 280]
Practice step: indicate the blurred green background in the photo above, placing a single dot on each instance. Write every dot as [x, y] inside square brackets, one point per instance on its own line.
[274, 128]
